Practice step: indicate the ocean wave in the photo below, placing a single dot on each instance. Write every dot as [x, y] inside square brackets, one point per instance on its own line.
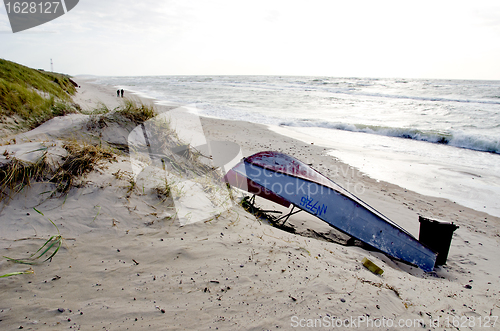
[411, 97]
[275, 100]
[457, 139]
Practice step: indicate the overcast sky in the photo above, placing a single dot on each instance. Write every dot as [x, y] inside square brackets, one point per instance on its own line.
[410, 39]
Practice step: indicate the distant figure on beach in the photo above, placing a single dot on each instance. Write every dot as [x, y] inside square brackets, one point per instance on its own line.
[122, 93]
[118, 93]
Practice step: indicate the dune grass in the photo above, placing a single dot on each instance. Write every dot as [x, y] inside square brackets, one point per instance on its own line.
[177, 156]
[132, 112]
[30, 97]
[99, 110]
[26, 272]
[16, 175]
[47, 250]
[163, 191]
[82, 158]
[136, 112]
[58, 85]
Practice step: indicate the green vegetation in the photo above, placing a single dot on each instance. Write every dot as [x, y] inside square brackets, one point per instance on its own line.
[51, 245]
[48, 250]
[131, 112]
[163, 191]
[101, 109]
[29, 271]
[30, 97]
[58, 85]
[136, 112]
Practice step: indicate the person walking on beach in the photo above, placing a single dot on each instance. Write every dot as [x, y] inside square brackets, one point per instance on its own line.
[118, 93]
[122, 93]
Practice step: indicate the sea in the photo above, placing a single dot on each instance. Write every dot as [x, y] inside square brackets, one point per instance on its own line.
[437, 137]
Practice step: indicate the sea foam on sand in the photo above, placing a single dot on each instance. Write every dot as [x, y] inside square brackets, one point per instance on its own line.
[127, 263]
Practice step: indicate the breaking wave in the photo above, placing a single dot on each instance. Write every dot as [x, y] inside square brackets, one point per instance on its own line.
[457, 139]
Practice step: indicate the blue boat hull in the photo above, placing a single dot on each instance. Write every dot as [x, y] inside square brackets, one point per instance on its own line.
[342, 211]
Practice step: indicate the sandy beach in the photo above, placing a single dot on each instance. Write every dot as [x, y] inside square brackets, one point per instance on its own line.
[126, 263]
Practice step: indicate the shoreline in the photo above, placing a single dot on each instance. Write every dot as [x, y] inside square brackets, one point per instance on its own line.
[347, 176]
[127, 263]
[461, 175]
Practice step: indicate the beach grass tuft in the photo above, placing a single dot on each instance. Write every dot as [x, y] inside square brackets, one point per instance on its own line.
[163, 191]
[136, 112]
[16, 175]
[26, 272]
[99, 110]
[48, 250]
[82, 158]
[130, 113]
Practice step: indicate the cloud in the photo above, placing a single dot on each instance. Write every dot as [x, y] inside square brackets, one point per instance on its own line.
[116, 17]
[320, 37]
[489, 16]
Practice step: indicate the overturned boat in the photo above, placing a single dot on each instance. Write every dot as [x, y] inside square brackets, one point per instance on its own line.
[287, 181]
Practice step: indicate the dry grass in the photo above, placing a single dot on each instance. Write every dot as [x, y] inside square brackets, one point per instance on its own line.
[16, 175]
[82, 158]
[177, 156]
[163, 192]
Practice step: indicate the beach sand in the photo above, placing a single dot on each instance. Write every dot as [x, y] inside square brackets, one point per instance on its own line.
[126, 264]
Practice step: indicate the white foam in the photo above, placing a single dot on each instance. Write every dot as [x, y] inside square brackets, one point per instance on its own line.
[464, 176]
